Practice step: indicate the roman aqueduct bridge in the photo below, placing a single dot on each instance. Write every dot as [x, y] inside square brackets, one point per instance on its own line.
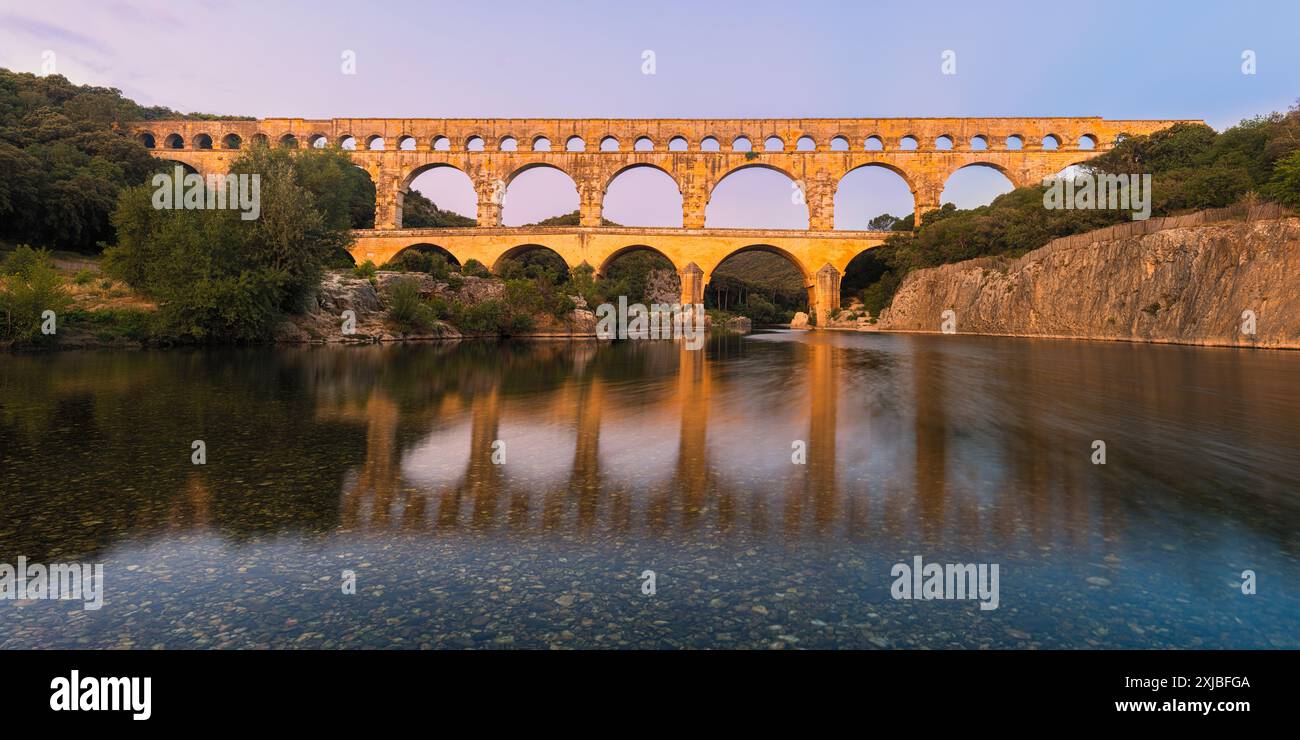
[696, 153]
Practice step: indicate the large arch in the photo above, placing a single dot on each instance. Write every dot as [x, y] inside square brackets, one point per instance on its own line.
[643, 194]
[871, 190]
[751, 197]
[545, 192]
[425, 247]
[612, 257]
[976, 184]
[754, 270]
[447, 186]
[518, 252]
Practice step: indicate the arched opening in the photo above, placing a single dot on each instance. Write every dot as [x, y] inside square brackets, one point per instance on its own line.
[641, 273]
[860, 275]
[174, 141]
[1015, 142]
[943, 143]
[348, 143]
[540, 195]
[231, 141]
[979, 143]
[146, 140]
[541, 144]
[643, 144]
[361, 200]
[575, 144]
[1051, 142]
[509, 144]
[805, 144]
[761, 282]
[677, 144]
[289, 141]
[756, 197]
[872, 197]
[710, 144]
[474, 144]
[975, 185]
[609, 144]
[440, 144]
[643, 195]
[839, 144]
[406, 143]
[439, 196]
[907, 143]
[318, 141]
[202, 141]
[168, 165]
[1087, 141]
[424, 257]
[874, 144]
[532, 261]
[773, 144]
[375, 143]
[741, 144]
[261, 140]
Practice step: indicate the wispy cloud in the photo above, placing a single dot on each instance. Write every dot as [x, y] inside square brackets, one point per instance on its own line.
[50, 32]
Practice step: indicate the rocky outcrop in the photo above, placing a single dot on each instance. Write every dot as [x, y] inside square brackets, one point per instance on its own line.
[738, 325]
[800, 321]
[1211, 284]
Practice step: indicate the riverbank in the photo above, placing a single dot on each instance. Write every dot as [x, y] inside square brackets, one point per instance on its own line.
[1213, 283]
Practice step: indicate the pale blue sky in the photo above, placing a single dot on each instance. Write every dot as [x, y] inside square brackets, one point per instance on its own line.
[752, 59]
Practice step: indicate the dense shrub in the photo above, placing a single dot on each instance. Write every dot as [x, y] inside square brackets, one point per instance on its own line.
[407, 311]
[29, 286]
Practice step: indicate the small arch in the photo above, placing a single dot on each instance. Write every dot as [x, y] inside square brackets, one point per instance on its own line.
[440, 143]
[874, 144]
[741, 144]
[609, 144]
[508, 144]
[202, 141]
[348, 142]
[839, 144]
[375, 143]
[643, 144]
[773, 144]
[1087, 142]
[541, 144]
[805, 144]
[147, 140]
[261, 140]
[231, 141]
[474, 144]
[979, 143]
[943, 143]
[173, 141]
[406, 143]
[289, 141]
[575, 144]
[908, 143]
[710, 144]
[317, 141]
[677, 144]
[1051, 142]
[1015, 142]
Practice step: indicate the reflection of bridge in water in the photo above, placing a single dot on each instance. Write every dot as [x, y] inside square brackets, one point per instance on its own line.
[816, 154]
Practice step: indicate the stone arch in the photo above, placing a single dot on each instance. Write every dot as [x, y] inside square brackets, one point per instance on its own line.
[407, 143]
[805, 143]
[261, 139]
[474, 143]
[713, 190]
[979, 143]
[190, 169]
[374, 139]
[712, 290]
[466, 186]
[202, 141]
[678, 143]
[575, 144]
[1086, 142]
[878, 197]
[646, 200]
[959, 194]
[608, 144]
[427, 247]
[508, 143]
[610, 258]
[1051, 142]
[231, 141]
[643, 144]
[710, 143]
[519, 250]
[318, 141]
[347, 139]
[440, 143]
[540, 143]
[147, 140]
[173, 141]
[839, 143]
[289, 141]
[510, 206]
[773, 143]
[944, 142]
[874, 143]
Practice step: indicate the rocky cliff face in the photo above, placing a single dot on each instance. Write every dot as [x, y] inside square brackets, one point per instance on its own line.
[1195, 285]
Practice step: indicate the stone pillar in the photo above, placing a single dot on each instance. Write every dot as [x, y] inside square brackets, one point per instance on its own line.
[692, 284]
[591, 203]
[491, 196]
[695, 198]
[927, 199]
[825, 295]
[820, 195]
[389, 196]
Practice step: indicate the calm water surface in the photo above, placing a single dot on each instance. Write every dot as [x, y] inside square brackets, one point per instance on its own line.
[644, 456]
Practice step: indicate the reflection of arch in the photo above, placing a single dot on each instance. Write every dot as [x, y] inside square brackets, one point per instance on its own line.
[613, 256]
[520, 250]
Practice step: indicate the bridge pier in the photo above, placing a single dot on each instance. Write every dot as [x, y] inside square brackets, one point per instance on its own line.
[692, 284]
[824, 295]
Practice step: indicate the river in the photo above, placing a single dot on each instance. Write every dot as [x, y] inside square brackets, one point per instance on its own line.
[756, 493]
